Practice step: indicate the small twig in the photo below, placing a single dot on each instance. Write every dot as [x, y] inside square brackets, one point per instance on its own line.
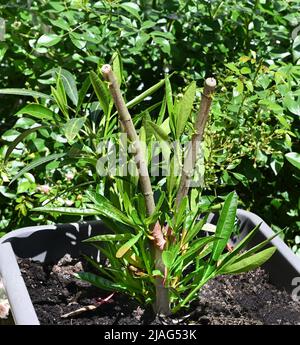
[201, 120]
[88, 307]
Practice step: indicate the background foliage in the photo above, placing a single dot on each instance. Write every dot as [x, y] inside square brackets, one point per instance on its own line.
[251, 47]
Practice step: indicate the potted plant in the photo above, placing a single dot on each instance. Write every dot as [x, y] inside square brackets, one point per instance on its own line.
[156, 248]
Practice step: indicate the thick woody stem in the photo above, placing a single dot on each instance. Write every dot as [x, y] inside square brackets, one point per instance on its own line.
[191, 157]
[162, 295]
[128, 126]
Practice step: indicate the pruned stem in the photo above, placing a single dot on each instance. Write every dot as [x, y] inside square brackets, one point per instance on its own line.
[128, 126]
[193, 149]
[162, 296]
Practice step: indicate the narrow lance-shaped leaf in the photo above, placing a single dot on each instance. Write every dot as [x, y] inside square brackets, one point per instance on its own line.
[184, 108]
[109, 237]
[69, 85]
[169, 96]
[229, 257]
[38, 111]
[162, 112]
[181, 213]
[60, 97]
[37, 163]
[248, 263]
[101, 92]
[25, 92]
[19, 139]
[106, 209]
[72, 211]
[162, 137]
[82, 92]
[145, 94]
[252, 250]
[195, 229]
[126, 246]
[153, 218]
[117, 67]
[225, 224]
[99, 282]
[195, 249]
[68, 81]
[158, 131]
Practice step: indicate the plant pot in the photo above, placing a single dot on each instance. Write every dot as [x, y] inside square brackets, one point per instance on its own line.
[50, 243]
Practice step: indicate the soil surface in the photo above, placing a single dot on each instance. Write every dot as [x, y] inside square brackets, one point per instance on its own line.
[245, 299]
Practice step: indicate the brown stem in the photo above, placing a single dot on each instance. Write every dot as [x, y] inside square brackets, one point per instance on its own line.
[162, 294]
[193, 149]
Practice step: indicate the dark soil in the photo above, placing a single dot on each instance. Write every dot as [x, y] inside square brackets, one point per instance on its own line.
[245, 299]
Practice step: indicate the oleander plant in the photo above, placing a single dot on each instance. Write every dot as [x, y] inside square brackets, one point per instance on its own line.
[158, 251]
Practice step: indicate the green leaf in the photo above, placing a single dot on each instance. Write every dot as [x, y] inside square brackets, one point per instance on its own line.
[101, 92]
[168, 258]
[180, 215]
[159, 133]
[163, 43]
[25, 92]
[294, 107]
[131, 8]
[10, 135]
[68, 80]
[157, 273]
[117, 67]
[19, 139]
[109, 237]
[60, 23]
[248, 263]
[60, 97]
[99, 282]
[225, 224]
[162, 137]
[293, 158]
[153, 218]
[145, 94]
[245, 70]
[169, 96]
[69, 85]
[184, 108]
[80, 44]
[48, 40]
[195, 229]
[38, 111]
[195, 248]
[37, 163]
[126, 246]
[82, 93]
[232, 67]
[105, 208]
[162, 112]
[72, 211]
[72, 128]
[230, 257]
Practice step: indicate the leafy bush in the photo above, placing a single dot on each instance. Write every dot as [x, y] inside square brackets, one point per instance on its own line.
[192, 38]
